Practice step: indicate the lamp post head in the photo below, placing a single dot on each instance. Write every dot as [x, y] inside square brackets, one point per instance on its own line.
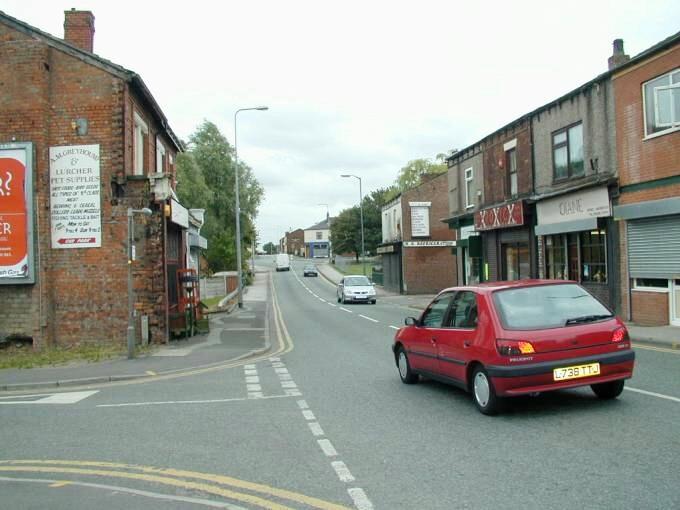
[345, 175]
[146, 211]
[262, 108]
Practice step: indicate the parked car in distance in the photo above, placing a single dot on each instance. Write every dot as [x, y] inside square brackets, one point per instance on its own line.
[505, 339]
[282, 262]
[310, 270]
[357, 289]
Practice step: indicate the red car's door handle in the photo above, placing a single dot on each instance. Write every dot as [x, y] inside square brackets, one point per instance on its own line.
[466, 343]
[433, 340]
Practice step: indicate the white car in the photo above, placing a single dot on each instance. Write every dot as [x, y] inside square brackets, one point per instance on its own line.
[357, 289]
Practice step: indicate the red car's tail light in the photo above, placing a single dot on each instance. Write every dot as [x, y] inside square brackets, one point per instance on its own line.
[620, 335]
[514, 347]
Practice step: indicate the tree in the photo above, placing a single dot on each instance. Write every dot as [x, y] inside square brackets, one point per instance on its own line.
[410, 175]
[206, 180]
[270, 248]
[346, 228]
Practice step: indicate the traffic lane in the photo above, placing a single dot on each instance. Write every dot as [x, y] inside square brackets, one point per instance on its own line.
[655, 370]
[392, 431]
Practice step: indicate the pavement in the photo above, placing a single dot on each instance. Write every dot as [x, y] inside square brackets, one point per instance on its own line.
[235, 335]
[662, 336]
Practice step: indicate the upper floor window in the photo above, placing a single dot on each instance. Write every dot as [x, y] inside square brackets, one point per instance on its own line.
[141, 137]
[568, 152]
[160, 156]
[468, 188]
[319, 235]
[511, 164]
[662, 103]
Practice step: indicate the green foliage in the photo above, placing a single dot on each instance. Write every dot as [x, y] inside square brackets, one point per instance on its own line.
[270, 248]
[206, 180]
[346, 228]
[409, 176]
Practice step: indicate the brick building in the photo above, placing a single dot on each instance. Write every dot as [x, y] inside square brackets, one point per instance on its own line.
[419, 259]
[89, 141]
[647, 98]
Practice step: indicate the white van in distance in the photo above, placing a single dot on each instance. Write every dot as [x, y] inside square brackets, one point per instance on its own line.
[282, 262]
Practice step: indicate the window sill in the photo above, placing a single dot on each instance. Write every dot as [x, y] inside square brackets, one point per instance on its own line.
[650, 289]
[661, 133]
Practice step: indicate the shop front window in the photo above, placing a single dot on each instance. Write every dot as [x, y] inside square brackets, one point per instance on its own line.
[515, 261]
[556, 257]
[593, 256]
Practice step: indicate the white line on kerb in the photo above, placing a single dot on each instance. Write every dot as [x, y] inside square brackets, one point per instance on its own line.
[652, 394]
[309, 415]
[342, 471]
[316, 428]
[345, 309]
[327, 447]
[360, 499]
[394, 327]
[368, 318]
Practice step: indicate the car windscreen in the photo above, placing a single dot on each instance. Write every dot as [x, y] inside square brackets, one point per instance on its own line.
[356, 281]
[547, 306]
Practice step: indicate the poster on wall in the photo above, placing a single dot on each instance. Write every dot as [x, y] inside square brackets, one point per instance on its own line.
[420, 219]
[16, 213]
[75, 197]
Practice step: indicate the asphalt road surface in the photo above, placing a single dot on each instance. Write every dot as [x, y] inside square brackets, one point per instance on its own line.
[324, 422]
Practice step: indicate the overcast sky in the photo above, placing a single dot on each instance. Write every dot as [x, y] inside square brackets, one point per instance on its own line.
[357, 87]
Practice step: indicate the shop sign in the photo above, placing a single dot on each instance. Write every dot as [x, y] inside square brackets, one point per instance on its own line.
[592, 203]
[428, 244]
[502, 216]
[466, 232]
[75, 197]
[385, 249]
[179, 214]
[420, 219]
[16, 213]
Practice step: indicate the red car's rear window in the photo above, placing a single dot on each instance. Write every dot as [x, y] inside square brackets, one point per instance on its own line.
[546, 306]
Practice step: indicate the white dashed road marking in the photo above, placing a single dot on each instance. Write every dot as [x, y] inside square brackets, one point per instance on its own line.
[360, 499]
[368, 318]
[302, 404]
[394, 327]
[345, 309]
[309, 415]
[316, 428]
[327, 447]
[342, 471]
[652, 394]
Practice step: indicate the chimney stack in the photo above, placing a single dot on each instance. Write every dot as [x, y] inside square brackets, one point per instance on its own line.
[618, 57]
[79, 29]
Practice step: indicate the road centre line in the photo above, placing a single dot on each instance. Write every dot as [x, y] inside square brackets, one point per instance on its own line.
[173, 402]
[368, 318]
[127, 490]
[342, 471]
[652, 394]
[360, 499]
[316, 428]
[302, 404]
[331, 304]
[309, 415]
[345, 309]
[394, 327]
[327, 447]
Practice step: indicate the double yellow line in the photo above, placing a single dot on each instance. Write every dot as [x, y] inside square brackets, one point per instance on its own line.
[232, 489]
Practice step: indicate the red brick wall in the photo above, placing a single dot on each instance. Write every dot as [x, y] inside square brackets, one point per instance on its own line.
[650, 308]
[81, 294]
[428, 270]
[642, 160]
[496, 184]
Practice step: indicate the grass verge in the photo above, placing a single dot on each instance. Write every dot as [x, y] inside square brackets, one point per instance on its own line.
[356, 269]
[25, 357]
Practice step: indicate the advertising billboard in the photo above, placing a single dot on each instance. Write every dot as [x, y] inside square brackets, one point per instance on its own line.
[16, 214]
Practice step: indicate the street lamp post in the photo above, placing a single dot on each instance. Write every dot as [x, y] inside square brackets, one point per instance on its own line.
[361, 213]
[238, 208]
[130, 256]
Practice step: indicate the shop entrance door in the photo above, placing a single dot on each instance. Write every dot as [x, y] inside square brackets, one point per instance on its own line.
[675, 302]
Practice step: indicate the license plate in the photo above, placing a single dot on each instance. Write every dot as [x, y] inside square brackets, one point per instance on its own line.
[576, 372]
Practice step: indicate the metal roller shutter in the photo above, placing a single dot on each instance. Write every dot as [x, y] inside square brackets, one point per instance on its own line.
[654, 247]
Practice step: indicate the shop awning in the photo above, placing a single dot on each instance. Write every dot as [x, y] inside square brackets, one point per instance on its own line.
[648, 209]
[564, 227]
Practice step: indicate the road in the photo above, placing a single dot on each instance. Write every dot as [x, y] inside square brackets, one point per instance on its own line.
[325, 422]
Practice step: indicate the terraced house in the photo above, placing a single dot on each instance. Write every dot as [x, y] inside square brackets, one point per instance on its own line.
[83, 144]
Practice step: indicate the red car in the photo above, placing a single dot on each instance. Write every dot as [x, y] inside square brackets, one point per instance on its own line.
[505, 339]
